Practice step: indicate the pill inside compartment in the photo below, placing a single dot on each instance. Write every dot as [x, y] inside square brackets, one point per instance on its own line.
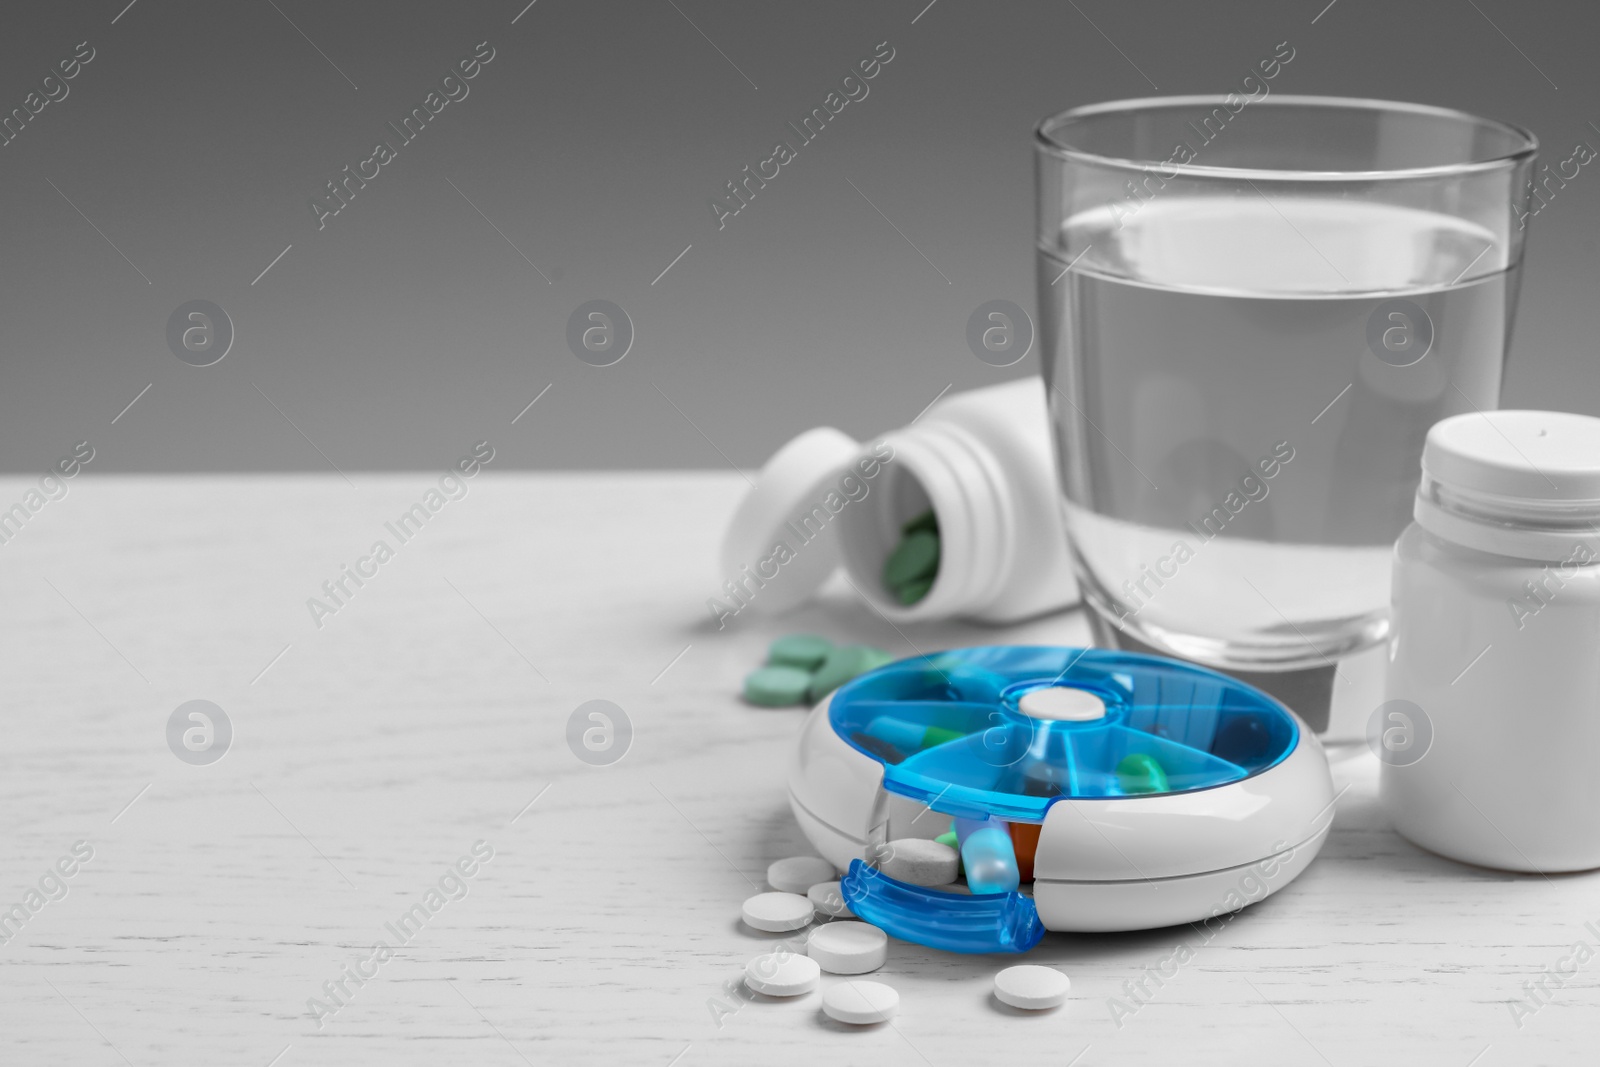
[971, 739]
[976, 746]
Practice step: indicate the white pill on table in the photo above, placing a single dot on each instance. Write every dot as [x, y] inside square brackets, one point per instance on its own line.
[848, 947]
[1032, 987]
[918, 861]
[828, 898]
[777, 912]
[860, 1003]
[796, 874]
[782, 974]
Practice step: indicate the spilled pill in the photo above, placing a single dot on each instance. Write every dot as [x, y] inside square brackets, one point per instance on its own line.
[776, 913]
[860, 1003]
[782, 974]
[1032, 987]
[828, 899]
[844, 663]
[797, 874]
[848, 947]
[806, 651]
[777, 687]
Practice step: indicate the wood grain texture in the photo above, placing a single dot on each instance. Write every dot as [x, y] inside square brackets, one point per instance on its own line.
[432, 708]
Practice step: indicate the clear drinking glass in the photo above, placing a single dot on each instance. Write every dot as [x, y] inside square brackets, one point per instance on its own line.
[1252, 309]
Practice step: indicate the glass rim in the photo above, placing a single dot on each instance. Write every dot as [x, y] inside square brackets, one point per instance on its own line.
[1046, 143]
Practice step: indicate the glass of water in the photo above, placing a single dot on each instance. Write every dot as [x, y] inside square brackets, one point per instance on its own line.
[1252, 309]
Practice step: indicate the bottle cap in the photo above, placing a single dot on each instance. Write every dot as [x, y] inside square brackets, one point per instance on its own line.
[1528, 455]
[784, 530]
[1515, 483]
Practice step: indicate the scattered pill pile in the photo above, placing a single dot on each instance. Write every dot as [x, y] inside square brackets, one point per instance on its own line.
[982, 855]
[804, 668]
[847, 947]
[911, 568]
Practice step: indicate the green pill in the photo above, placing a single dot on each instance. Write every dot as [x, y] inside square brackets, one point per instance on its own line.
[949, 839]
[806, 651]
[913, 591]
[844, 662]
[927, 521]
[777, 687]
[1139, 773]
[916, 556]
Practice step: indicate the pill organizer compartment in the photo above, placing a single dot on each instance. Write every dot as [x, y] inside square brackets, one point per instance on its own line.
[1158, 792]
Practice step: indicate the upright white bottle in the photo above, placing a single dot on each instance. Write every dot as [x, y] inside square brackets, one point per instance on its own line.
[981, 461]
[1490, 735]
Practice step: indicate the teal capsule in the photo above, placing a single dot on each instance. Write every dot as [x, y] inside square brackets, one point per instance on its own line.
[987, 855]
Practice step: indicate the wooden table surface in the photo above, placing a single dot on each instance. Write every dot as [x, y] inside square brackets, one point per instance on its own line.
[429, 713]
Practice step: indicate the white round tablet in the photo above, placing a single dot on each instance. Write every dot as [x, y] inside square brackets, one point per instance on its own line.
[860, 1003]
[782, 974]
[848, 947]
[1062, 703]
[828, 899]
[919, 861]
[777, 912]
[1032, 987]
[796, 874]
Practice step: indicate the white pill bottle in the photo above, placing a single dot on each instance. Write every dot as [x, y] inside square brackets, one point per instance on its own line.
[1490, 731]
[980, 460]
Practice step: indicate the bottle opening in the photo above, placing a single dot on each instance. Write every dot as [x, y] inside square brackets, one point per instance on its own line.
[895, 549]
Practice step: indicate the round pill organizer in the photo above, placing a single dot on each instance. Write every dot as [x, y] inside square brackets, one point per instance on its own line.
[1153, 792]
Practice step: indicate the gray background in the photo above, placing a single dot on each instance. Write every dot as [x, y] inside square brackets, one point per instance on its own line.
[409, 327]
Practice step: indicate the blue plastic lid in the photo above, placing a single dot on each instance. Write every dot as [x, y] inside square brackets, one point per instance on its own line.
[949, 731]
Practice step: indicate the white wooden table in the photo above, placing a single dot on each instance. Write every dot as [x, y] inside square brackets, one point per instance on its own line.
[430, 712]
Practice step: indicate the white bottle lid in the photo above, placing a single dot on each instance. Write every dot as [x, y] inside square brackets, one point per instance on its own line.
[795, 482]
[1520, 483]
[1530, 455]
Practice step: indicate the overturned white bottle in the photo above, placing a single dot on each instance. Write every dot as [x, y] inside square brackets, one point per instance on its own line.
[981, 461]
